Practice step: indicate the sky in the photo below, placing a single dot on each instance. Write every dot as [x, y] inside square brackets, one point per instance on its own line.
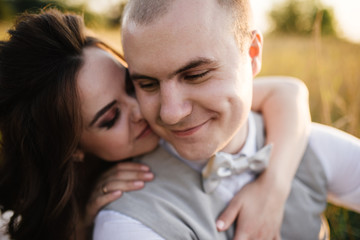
[347, 13]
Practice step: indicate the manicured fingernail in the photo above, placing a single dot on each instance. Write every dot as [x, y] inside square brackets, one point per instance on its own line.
[116, 193]
[148, 175]
[138, 183]
[144, 168]
[220, 224]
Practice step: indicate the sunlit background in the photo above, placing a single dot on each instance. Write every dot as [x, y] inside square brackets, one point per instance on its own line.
[317, 41]
[347, 13]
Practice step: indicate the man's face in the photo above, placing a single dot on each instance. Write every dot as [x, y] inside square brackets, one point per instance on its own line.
[193, 84]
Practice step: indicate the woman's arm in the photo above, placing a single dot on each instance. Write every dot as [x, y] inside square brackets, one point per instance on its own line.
[283, 101]
[259, 206]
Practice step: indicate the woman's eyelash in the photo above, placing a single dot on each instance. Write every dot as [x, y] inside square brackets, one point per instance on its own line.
[110, 123]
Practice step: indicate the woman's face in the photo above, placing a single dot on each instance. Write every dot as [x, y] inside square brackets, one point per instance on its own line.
[114, 128]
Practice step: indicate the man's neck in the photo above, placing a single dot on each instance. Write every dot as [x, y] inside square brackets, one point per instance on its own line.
[238, 141]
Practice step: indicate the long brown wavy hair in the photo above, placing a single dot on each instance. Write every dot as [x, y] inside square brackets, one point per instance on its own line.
[41, 123]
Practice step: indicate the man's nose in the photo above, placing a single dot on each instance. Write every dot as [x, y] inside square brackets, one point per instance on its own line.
[174, 105]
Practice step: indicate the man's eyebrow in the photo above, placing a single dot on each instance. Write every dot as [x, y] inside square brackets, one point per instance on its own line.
[136, 76]
[191, 64]
[101, 112]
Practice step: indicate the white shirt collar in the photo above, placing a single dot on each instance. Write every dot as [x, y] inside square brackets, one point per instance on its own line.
[248, 149]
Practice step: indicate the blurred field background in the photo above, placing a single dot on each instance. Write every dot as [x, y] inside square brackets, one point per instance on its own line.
[303, 42]
[330, 69]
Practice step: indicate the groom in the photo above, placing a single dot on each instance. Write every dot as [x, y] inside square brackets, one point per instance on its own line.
[192, 63]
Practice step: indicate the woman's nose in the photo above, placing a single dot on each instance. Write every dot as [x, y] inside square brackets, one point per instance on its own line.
[136, 115]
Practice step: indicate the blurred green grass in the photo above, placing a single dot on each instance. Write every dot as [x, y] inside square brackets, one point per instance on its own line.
[330, 68]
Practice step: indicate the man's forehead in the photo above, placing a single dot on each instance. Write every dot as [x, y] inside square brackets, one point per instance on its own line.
[178, 12]
[180, 21]
[146, 12]
[176, 39]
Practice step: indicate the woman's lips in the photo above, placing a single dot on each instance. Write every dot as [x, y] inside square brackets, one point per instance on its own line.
[147, 130]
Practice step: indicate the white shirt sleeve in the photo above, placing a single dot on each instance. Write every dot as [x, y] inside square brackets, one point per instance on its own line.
[111, 225]
[339, 153]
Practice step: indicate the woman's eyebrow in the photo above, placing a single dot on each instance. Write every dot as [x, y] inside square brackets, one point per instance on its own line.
[101, 112]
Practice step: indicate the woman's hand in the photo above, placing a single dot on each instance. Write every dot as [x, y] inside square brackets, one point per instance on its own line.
[123, 177]
[258, 209]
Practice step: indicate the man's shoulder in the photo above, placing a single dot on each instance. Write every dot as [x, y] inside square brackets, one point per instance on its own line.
[158, 156]
[158, 151]
[330, 143]
[330, 138]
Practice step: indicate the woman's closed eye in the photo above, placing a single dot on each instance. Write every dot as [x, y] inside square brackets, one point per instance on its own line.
[110, 119]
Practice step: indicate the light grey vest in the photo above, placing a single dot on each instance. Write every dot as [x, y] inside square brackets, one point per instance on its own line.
[175, 206]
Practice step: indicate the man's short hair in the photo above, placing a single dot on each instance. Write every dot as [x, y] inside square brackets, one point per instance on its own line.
[144, 12]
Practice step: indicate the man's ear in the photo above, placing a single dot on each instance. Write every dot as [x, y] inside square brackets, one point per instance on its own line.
[255, 51]
[78, 155]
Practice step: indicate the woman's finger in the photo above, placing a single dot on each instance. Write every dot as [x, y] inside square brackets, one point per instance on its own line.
[132, 166]
[128, 175]
[229, 215]
[106, 198]
[125, 166]
[124, 186]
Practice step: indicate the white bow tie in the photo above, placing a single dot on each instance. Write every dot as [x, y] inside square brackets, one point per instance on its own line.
[223, 165]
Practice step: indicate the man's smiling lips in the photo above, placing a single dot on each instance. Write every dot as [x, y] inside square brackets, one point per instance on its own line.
[188, 131]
